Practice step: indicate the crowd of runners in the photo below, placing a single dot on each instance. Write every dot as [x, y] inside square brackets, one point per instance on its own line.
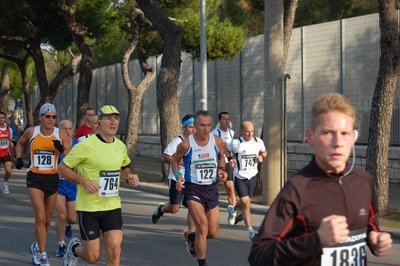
[325, 215]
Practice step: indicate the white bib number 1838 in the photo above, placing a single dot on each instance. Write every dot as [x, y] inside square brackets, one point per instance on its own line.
[349, 253]
[109, 182]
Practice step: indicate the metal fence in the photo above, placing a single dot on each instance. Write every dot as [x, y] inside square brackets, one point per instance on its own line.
[339, 56]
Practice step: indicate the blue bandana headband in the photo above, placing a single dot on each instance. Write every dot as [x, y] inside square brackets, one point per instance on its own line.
[47, 107]
[188, 122]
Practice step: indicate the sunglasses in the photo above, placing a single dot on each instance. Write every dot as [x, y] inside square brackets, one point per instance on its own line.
[50, 116]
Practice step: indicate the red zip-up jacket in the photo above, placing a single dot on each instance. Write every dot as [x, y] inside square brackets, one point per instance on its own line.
[288, 233]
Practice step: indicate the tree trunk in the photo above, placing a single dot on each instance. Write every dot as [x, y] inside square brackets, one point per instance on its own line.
[25, 89]
[85, 68]
[135, 93]
[64, 76]
[40, 75]
[167, 80]
[288, 20]
[382, 102]
[5, 90]
[21, 63]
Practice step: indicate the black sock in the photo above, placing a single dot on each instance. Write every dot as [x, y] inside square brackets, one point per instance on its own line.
[202, 262]
[73, 250]
[192, 236]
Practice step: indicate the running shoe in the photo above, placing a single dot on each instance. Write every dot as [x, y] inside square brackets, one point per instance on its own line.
[5, 188]
[189, 244]
[252, 235]
[68, 231]
[231, 214]
[61, 250]
[239, 217]
[44, 260]
[69, 258]
[34, 250]
[157, 214]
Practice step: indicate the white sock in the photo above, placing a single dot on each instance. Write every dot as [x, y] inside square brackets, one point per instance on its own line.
[250, 229]
[61, 243]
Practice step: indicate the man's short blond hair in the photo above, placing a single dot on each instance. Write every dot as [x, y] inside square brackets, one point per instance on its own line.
[333, 102]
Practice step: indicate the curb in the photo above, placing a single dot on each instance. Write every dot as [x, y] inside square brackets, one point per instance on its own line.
[255, 208]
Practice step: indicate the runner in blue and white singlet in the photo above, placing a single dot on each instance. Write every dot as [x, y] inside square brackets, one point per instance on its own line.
[202, 162]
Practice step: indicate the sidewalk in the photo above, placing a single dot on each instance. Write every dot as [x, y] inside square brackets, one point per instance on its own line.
[151, 168]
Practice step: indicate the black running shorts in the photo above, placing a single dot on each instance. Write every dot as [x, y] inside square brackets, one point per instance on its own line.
[46, 183]
[91, 223]
[245, 187]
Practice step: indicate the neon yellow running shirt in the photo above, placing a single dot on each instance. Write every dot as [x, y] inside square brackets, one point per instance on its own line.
[101, 162]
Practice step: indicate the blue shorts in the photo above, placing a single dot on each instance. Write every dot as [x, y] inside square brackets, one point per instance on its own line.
[245, 187]
[68, 189]
[207, 195]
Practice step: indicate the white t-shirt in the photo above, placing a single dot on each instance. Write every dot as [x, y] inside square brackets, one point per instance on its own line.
[227, 136]
[246, 153]
[83, 137]
[171, 150]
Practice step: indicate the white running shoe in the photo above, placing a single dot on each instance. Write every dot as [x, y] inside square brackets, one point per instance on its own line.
[44, 260]
[252, 235]
[231, 214]
[69, 258]
[34, 250]
[5, 188]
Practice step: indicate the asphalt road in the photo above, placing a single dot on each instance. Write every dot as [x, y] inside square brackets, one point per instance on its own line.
[144, 243]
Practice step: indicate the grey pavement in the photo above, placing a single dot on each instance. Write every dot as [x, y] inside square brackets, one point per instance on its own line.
[152, 166]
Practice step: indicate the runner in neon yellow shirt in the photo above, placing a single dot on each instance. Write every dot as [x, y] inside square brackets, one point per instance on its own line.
[102, 161]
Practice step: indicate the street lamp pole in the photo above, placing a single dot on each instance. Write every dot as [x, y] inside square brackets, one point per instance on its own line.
[203, 55]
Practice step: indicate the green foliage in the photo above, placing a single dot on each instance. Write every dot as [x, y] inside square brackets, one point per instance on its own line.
[15, 83]
[224, 40]
[97, 16]
[247, 14]
[15, 77]
[319, 11]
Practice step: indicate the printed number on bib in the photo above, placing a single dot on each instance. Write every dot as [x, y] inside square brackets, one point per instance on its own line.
[352, 252]
[4, 143]
[206, 172]
[109, 182]
[43, 160]
[249, 161]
